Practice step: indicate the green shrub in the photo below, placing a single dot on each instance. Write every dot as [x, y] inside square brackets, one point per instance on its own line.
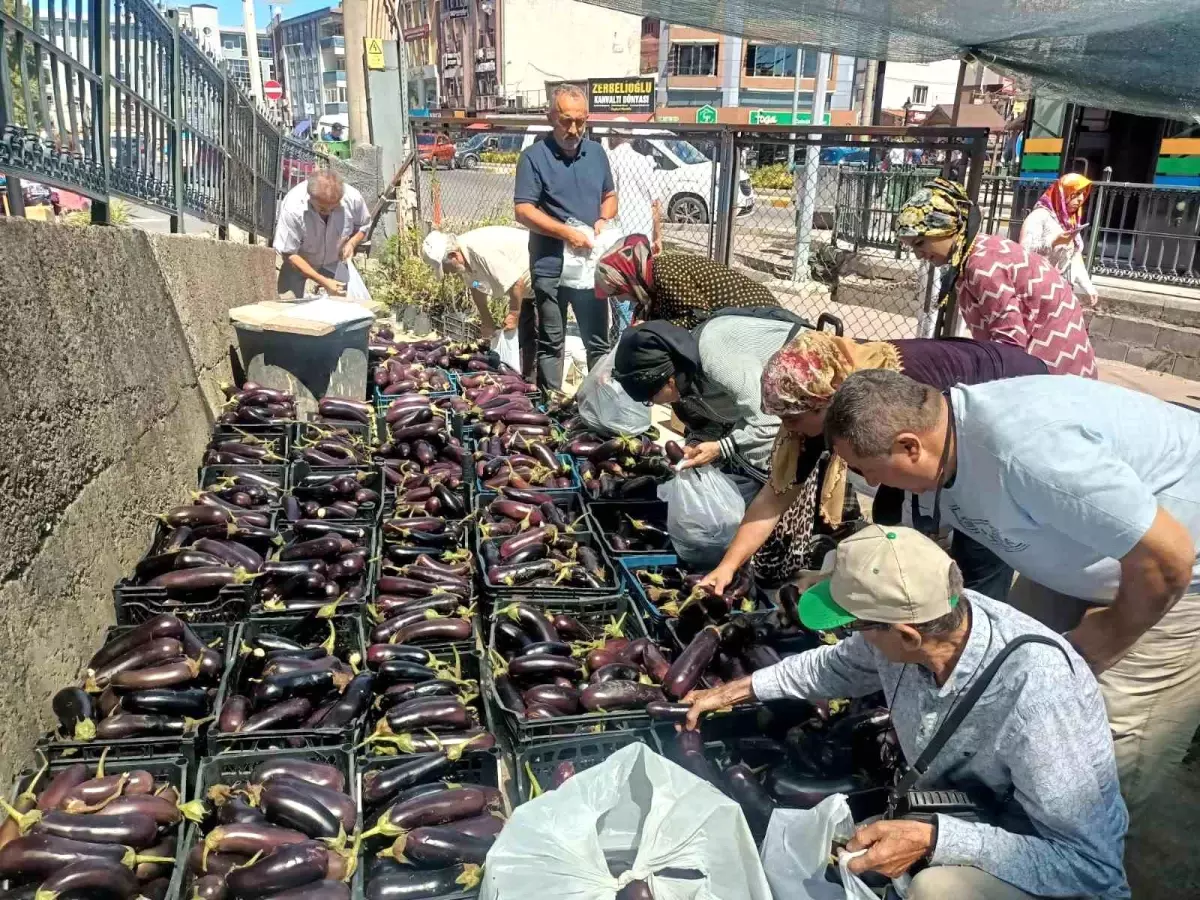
[503, 157]
[775, 177]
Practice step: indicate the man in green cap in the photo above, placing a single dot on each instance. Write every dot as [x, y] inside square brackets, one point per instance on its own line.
[1037, 740]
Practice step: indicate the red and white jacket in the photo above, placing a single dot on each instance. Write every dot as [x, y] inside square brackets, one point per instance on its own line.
[1011, 296]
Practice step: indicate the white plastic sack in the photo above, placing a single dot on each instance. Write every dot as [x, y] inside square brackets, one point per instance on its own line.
[605, 407]
[704, 510]
[356, 288]
[635, 804]
[507, 346]
[579, 266]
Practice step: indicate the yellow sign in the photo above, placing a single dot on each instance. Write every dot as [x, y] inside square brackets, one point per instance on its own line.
[374, 53]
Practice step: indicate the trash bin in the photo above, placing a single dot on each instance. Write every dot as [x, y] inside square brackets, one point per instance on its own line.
[313, 349]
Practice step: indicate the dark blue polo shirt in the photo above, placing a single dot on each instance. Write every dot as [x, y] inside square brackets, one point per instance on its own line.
[563, 187]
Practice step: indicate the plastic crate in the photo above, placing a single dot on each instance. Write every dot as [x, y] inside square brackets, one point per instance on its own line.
[566, 595]
[279, 435]
[306, 433]
[583, 751]
[308, 630]
[189, 747]
[238, 765]
[523, 732]
[576, 486]
[365, 581]
[172, 770]
[605, 515]
[277, 472]
[135, 604]
[369, 476]
[382, 400]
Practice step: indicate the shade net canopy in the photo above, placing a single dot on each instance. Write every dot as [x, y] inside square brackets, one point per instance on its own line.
[1140, 56]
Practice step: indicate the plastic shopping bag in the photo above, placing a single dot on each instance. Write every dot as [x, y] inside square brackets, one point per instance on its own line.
[356, 288]
[636, 806]
[579, 266]
[605, 407]
[704, 510]
[507, 346]
[796, 848]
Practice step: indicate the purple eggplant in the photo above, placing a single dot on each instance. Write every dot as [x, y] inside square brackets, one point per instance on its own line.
[685, 672]
[288, 867]
[320, 774]
[440, 846]
[618, 695]
[97, 879]
[407, 883]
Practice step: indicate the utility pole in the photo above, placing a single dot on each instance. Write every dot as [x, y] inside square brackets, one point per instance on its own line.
[796, 106]
[251, 28]
[807, 188]
[354, 23]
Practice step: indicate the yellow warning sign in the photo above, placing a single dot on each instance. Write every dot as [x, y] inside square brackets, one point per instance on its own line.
[374, 53]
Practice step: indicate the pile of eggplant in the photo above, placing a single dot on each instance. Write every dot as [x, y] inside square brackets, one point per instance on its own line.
[337, 410]
[546, 556]
[515, 511]
[210, 545]
[431, 829]
[81, 832]
[329, 445]
[623, 468]
[675, 593]
[392, 377]
[286, 831]
[322, 566]
[245, 488]
[253, 404]
[157, 679]
[286, 679]
[346, 495]
[633, 526]
[425, 601]
[418, 449]
[547, 665]
[244, 448]
[425, 702]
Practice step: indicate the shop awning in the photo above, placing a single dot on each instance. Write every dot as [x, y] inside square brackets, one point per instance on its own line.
[1140, 56]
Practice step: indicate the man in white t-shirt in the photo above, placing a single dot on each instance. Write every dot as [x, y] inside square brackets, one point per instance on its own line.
[1092, 493]
[495, 262]
[638, 185]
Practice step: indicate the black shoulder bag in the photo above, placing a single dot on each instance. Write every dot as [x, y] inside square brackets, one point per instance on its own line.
[907, 803]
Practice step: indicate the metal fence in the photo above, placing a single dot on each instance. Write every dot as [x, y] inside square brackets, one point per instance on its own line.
[115, 98]
[730, 213]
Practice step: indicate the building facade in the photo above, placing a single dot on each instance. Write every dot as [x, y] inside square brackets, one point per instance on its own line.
[309, 56]
[237, 58]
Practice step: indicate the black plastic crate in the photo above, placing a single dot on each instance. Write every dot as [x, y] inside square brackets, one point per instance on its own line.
[276, 472]
[189, 747]
[277, 436]
[369, 476]
[170, 769]
[594, 614]
[305, 629]
[136, 604]
[606, 519]
[307, 433]
[583, 752]
[567, 594]
[365, 581]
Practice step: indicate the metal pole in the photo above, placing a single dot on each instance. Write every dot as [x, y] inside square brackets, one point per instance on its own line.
[978, 158]
[877, 100]
[807, 189]
[251, 29]
[726, 186]
[15, 194]
[958, 90]
[177, 122]
[98, 38]
[223, 228]
[795, 106]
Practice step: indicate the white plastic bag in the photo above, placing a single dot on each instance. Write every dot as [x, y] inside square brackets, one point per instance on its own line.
[507, 345]
[356, 288]
[633, 805]
[579, 266]
[704, 510]
[605, 407]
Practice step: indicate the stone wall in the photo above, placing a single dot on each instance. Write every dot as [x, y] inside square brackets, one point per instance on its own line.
[111, 347]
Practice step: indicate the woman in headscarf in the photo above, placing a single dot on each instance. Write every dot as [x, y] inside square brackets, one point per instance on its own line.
[807, 489]
[1005, 293]
[678, 287]
[1053, 229]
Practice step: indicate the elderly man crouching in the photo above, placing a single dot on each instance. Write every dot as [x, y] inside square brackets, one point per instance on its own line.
[321, 223]
[1036, 745]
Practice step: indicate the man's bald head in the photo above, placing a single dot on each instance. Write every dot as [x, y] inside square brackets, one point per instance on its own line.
[325, 190]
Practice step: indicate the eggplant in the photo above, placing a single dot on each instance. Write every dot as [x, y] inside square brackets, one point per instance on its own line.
[249, 838]
[319, 890]
[41, 855]
[277, 688]
[756, 803]
[132, 829]
[126, 725]
[168, 674]
[238, 811]
[690, 749]
[618, 695]
[205, 578]
[76, 713]
[352, 702]
[615, 672]
[543, 667]
[280, 716]
[685, 672]
[488, 825]
[440, 846]
[563, 699]
[96, 879]
[296, 805]
[435, 630]
[317, 773]
[382, 785]
[288, 867]
[163, 810]
[664, 711]
[156, 650]
[407, 883]
[532, 620]
[435, 808]
[62, 785]
[210, 887]
[546, 648]
[429, 713]
[233, 714]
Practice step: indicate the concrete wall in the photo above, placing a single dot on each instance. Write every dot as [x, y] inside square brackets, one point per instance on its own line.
[112, 344]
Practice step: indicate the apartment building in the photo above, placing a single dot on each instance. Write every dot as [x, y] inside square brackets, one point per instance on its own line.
[237, 57]
[309, 54]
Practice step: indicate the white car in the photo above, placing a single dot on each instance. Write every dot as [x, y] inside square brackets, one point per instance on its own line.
[688, 182]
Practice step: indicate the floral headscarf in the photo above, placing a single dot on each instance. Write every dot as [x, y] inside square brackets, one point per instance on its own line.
[940, 209]
[800, 378]
[627, 271]
[1057, 197]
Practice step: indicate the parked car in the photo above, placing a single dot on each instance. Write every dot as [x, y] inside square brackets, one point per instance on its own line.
[468, 153]
[434, 150]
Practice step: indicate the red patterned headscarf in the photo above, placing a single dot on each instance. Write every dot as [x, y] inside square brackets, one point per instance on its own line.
[1057, 197]
[628, 271]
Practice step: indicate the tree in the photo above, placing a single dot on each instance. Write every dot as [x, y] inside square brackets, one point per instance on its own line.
[15, 105]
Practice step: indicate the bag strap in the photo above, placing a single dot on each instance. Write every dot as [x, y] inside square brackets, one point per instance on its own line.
[964, 707]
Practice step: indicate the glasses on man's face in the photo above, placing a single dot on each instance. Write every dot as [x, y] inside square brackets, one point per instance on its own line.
[567, 123]
[846, 630]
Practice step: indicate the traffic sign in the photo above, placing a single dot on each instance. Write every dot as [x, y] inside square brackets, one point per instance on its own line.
[706, 115]
[272, 90]
[774, 117]
[374, 53]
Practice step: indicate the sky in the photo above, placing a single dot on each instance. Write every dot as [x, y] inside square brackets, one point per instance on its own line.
[230, 11]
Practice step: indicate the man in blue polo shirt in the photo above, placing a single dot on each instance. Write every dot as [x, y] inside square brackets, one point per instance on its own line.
[564, 196]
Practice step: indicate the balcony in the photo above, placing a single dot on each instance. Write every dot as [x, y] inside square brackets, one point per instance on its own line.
[334, 109]
[336, 76]
[337, 44]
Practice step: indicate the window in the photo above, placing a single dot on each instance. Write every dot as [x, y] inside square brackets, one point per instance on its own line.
[766, 60]
[335, 95]
[650, 27]
[920, 94]
[809, 62]
[693, 59]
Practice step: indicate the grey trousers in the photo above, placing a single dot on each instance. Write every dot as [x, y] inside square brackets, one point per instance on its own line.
[591, 314]
[291, 285]
[961, 883]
